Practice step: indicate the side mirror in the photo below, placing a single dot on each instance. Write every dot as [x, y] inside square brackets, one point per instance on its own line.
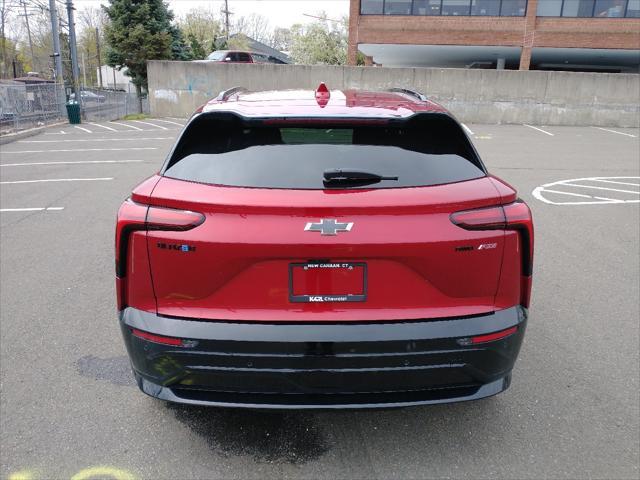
[228, 59]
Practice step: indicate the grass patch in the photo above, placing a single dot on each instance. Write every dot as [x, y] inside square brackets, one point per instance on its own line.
[135, 116]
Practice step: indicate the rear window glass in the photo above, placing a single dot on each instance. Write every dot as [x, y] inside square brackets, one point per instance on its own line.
[226, 151]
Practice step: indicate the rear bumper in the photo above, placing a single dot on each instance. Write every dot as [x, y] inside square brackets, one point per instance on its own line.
[300, 366]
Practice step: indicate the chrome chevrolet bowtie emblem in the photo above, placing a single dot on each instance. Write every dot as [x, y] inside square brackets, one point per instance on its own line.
[328, 227]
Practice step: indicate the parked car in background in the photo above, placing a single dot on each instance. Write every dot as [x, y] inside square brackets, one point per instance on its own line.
[236, 56]
[88, 97]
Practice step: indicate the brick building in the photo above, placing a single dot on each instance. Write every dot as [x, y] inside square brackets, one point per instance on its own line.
[582, 35]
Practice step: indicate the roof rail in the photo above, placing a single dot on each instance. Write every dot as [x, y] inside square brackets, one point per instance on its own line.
[410, 92]
[226, 94]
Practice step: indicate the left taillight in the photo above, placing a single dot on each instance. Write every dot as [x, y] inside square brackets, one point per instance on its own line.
[134, 216]
[513, 216]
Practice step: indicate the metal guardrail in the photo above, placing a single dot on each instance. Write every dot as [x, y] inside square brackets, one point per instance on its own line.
[24, 106]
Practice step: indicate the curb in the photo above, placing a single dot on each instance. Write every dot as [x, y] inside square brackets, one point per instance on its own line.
[12, 137]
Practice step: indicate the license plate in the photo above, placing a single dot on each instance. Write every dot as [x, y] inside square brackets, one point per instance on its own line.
[327, 282]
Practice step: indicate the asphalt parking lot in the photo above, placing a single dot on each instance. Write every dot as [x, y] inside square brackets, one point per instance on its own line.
[68, 405]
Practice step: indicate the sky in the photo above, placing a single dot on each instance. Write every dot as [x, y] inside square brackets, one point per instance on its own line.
[281, 13]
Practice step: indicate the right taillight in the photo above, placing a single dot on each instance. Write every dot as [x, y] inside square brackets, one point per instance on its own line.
[134, 216]
[514, 216]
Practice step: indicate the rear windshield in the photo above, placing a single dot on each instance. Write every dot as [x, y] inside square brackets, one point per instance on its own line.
[427, 150]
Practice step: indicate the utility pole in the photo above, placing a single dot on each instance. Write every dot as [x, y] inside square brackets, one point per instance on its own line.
[26, 19]
[84, 72]
[57, 54]
[99, 59]
[74, 52]
[226, 18]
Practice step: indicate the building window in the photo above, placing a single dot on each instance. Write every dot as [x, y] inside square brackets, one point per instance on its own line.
[589, 8]
[456, 7]
[513, 8]
[507, 8]
[485, 7]
[609, 8]
[578, 8]
[397, 7]
[633, 9]
[426, 7]
[549, 8]
[371, 7]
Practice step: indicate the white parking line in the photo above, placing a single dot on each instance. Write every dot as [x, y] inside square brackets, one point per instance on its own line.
[68, 163]
[467, 129]
[33, 209]
[126, 125]
[613, 181]
[538, 129]
[83, 150]
[601, 188]
[169, 121]
[581, 195]
[150, 124]
[83, 129]
[613, 131]
[103, 126]
[96, 140]
[558, 188]
[103, 179]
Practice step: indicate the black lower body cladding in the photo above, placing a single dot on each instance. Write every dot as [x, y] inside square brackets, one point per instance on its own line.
[301, 366]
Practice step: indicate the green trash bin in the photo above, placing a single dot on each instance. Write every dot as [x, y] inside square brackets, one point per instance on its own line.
[73, 112]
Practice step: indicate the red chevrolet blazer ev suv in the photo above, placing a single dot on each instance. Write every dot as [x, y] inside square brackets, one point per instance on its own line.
[323, 249]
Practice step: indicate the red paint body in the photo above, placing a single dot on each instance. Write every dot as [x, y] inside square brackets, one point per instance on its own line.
[420, 265]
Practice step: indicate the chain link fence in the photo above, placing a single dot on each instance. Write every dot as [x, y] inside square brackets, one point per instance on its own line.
[24, 106]
[104, 105]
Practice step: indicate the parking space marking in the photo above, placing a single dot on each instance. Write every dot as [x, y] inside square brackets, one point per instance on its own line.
[619, 183]
[169, 121]
[613, 131]
[83, 150]
[83, 129]
[467, 129]
[32, 209]
[103, 126]
[615, 195]
[538, 129]
[27, 164]
[96, 140]
[150, 124]
[127, 125]
[46, 180]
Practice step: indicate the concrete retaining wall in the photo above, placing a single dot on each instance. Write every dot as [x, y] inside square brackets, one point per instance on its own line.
[474, 96]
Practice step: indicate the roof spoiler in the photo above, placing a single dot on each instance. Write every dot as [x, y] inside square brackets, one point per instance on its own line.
[226, 94]
[409, 92]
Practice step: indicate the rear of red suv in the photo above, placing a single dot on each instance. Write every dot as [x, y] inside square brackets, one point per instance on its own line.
[323, 250]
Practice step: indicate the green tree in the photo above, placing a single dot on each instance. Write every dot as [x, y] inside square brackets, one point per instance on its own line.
[180, 49]
[202, 25]
[196, 48]
[138, 31]
[319, 43]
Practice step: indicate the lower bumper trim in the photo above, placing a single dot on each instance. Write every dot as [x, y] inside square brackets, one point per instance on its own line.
[323, 401]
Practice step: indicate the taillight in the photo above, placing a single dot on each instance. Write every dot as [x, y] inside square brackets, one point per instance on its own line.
[174, 342]
[490, 337]
[134, 216]
[514, 216]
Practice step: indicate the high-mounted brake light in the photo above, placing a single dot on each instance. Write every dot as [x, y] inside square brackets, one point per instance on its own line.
[322, 95]
[134, 216]
[514, 216]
